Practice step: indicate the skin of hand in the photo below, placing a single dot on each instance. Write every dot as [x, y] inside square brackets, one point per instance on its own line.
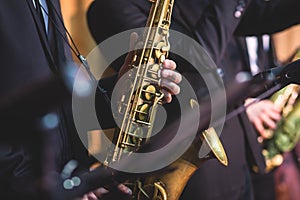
[99, 192]
[169, 77]
[264, 115]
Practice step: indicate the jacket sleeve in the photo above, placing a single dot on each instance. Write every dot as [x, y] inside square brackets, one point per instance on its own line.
[109, 17]
[217, 24]
[269, 17]
[220, 21]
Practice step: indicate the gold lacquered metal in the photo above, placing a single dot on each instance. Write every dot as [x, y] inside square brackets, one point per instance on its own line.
[210, 138]
[137, 106]
[287, 101]
[213, 141]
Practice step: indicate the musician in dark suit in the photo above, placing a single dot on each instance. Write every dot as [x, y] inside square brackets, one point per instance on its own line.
[29, 63]
[38, 135]
[236, 61]
[212, 24]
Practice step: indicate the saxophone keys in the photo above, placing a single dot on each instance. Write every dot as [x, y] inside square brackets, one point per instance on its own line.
[276, 161]
[142, 112]
[155, 68]
[149, 92]
[160, 51]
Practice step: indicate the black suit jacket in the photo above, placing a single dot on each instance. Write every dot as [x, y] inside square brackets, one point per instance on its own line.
[203, 20]
[212, 24]
[29, 89]
[30, 68]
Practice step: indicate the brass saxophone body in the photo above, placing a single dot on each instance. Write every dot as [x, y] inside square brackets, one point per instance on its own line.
[137, 107]
[287, 133]
[137, 110]
[138, 103]
[142, 93]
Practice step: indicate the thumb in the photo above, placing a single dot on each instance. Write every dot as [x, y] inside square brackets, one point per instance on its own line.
[133, 39]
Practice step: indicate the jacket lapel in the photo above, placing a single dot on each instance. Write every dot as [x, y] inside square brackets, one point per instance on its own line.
[41, 32]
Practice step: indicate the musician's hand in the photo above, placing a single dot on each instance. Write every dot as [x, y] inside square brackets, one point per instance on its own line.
[169, 77]
[95, 195]
[98, 193]
[169, 80]
[264, 115]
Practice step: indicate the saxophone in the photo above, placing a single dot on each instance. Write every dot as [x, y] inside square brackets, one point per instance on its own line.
[287, 133]
[137, 109]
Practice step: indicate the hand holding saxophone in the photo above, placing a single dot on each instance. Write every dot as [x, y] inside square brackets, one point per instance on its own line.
[280, 114]
[169, 77]
[264, 115]
[98, 193]
[169, 80]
